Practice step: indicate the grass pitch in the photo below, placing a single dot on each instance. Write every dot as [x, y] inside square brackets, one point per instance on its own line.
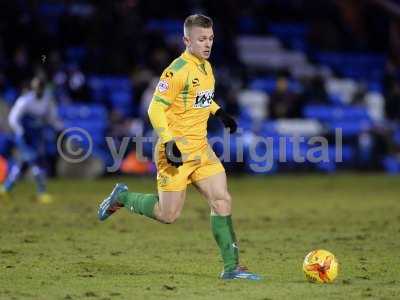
[61, 251]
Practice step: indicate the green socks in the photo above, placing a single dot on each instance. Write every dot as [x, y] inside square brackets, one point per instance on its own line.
[222, 230]
[142, 204]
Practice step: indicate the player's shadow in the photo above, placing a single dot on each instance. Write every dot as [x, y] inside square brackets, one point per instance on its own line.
[85, 269]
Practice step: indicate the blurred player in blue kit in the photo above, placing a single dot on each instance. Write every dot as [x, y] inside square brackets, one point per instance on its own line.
[31, 114]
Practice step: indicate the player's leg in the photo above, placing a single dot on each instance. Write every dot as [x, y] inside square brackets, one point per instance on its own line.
[39, 176]
[14, 175]
[169, 207]
[34, 158]
[164, 207]
[214, 189]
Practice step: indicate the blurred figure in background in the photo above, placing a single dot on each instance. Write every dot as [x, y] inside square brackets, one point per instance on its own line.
[283, 102]
[32, 113]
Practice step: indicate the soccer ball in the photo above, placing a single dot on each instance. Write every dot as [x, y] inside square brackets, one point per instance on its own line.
[320, 266]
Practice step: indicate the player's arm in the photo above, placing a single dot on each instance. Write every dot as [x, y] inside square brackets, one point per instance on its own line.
[226, 119]
[14, 119]
[214, 107]
[166, 92]
[158, 120]
[15, 116]
[52, 117]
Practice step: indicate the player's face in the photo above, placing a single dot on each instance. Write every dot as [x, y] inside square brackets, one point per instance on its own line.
[38, 87]
[199, 41]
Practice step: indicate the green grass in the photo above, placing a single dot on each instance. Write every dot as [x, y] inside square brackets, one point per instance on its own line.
[61, 251]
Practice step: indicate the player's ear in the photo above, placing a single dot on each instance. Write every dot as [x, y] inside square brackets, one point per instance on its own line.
[186, 41]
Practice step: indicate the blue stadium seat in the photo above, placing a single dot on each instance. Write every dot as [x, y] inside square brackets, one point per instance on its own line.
[350, 128]
[10, 95]
[91, 118]
[268, 84]
[391, 165]
[288, 29]
[122, 101]
[354, 65]
[117, 90]
[352, 120]
[375, 86]
[268, 128]
[82, 111]
[245, 121]
[335, 113]
[293, 34]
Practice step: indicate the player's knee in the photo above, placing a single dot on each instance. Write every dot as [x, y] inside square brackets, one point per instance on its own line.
[222, 205]
[170, 217]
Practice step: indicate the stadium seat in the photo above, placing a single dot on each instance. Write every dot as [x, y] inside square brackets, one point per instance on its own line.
[122, 101]
[335, 113]
[349, 128]
[391, 165]
[10, 95]
[81, 112]
[354, 65]
[292, 34]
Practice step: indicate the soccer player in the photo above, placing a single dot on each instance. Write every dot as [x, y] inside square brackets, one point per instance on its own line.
[29, 116]
[179, 110]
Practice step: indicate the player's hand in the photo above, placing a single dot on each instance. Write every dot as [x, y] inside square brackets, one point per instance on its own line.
[228, 121]
[173, 154]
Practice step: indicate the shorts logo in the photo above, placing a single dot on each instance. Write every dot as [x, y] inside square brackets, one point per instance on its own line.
[162, 86]
[169, 74]
[163, 180]
[204, 99]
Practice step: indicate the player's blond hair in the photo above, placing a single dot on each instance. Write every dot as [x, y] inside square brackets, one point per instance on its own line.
[197, 20]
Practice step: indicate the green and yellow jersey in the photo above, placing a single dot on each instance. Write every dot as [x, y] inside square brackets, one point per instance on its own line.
[183, 101]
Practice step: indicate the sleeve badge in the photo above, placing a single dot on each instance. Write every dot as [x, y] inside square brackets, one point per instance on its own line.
[162, 86]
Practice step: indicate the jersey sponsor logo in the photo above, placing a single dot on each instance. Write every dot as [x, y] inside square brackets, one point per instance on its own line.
[203, 99]
[162, 86]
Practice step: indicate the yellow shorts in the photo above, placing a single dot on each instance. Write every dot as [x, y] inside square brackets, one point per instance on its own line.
[198, 166]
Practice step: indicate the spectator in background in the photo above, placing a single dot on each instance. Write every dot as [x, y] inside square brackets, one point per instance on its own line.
[314, 91]
[77, 86]
[284, 104]
[392, 105]
[231, 103]
[391, 87]
[20, 69]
